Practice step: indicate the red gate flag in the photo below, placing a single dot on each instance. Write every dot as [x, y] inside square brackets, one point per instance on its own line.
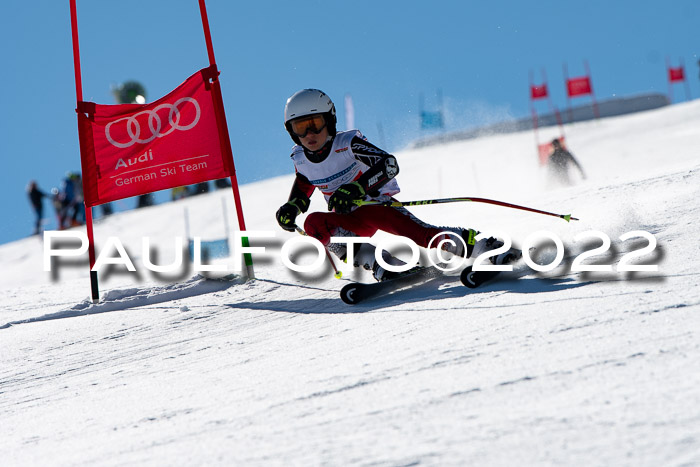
[538, 92]
[676, 74]
[131, 149]
[579, 86]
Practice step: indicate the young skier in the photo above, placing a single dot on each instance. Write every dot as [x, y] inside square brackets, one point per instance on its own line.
[347, 168]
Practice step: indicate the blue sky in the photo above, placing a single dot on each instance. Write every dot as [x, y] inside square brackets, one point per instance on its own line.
[383, 53]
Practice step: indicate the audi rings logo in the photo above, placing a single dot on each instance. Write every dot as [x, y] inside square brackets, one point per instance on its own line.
[155, 124]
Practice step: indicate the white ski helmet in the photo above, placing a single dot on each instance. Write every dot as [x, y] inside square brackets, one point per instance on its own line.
[309, 102]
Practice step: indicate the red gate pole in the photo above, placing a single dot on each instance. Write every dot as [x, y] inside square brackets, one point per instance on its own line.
[225, 139]
[535, 126]
[79, 97]
[668, 78]
[568, 97]
[533, 111]
[685, 80]
[590, 82]
[552, 108]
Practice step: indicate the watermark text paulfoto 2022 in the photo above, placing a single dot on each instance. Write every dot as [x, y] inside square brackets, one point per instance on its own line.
[442, 260]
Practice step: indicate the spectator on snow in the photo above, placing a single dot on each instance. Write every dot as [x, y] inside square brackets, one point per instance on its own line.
[58, 207]
[66, 195]
[222, 183]
[78, 214]
[178, 192]
[106, 209]
[145, 200]
[36, 197]
[200, 188]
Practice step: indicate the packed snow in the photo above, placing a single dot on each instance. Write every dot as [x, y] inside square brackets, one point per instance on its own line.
[561, 367]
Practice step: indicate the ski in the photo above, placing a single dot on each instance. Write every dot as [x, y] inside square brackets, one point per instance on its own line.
[357, 292]
[474, 279]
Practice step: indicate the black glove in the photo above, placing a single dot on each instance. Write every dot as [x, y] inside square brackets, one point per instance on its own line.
[287, 214]
[343, 200]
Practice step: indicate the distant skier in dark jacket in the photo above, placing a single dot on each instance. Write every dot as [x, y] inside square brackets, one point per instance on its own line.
[36, 197]
[559, 162]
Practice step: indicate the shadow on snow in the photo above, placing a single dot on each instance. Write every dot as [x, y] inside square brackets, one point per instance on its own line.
[434, 289]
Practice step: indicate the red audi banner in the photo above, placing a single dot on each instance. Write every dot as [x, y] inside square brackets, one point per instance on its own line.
[538, 92]
[131, 149]
[676, 74]
[579, 86]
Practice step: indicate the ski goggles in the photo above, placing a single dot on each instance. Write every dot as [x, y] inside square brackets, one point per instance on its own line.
[313, 123]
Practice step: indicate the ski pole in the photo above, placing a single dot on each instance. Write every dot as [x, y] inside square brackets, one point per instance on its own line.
[338, 274]
[398, 204]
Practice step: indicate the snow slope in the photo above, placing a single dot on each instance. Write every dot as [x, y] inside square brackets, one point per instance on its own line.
[574, 368]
